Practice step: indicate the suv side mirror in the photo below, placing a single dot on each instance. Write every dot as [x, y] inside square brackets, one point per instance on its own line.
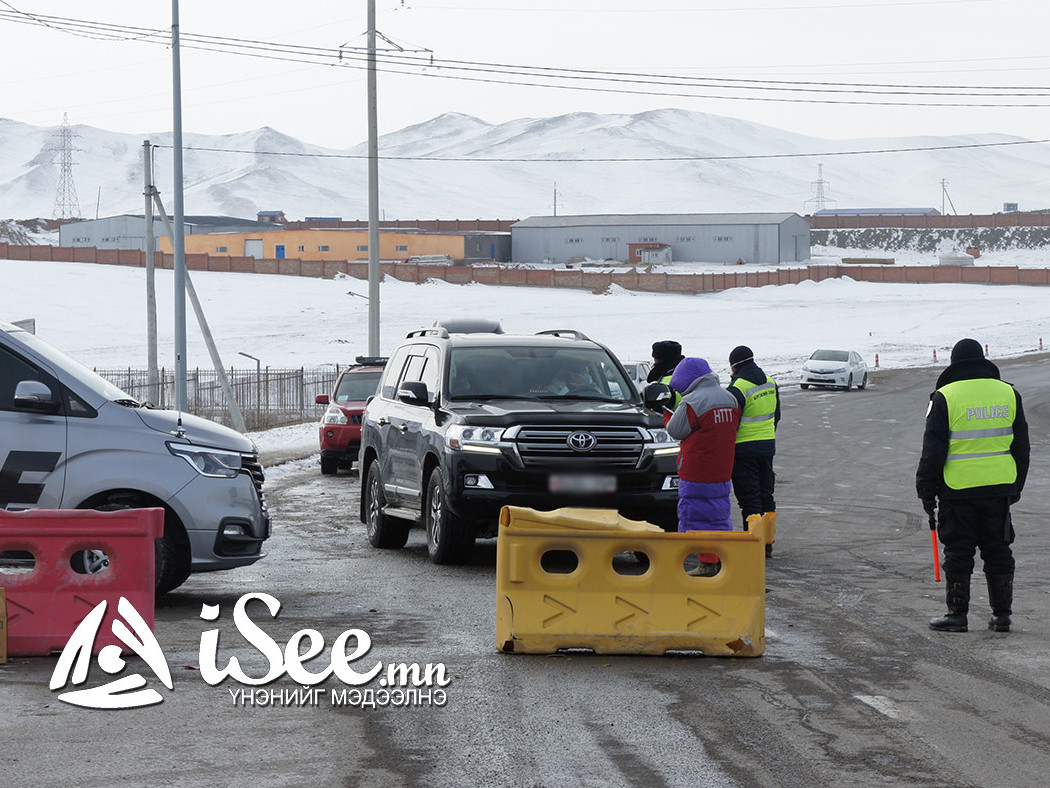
[321, 399]
[35, 396]
[657, 396]
[413, 392]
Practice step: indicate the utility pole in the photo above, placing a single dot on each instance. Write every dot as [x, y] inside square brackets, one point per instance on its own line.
[820, 198]
[374, 271]
[945, 195]
[555, 198]
[152, 377]
[178, 241]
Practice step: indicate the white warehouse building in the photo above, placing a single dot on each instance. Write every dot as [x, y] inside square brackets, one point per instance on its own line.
[763, 238]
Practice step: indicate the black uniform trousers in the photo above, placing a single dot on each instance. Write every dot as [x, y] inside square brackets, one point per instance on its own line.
[753, 481]
[967, 524]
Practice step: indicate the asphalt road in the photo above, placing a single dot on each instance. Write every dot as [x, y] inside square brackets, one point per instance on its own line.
[853, 688]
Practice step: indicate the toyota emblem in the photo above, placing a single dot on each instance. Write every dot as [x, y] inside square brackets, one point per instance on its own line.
[581, 441]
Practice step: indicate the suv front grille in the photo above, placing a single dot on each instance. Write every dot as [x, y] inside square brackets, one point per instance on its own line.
[615, 447]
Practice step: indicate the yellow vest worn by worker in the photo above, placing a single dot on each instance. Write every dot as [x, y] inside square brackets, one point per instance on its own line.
[760, 406]
[981, 416]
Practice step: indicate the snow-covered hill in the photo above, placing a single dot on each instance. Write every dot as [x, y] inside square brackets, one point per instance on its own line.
[457, 166]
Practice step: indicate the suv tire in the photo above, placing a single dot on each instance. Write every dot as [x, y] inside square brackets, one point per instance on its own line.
[383, 531]
[449, 539]
[329, 466]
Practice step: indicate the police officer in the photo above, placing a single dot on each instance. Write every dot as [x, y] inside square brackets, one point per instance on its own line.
[666, 355]
[975, 453]
[759, 399]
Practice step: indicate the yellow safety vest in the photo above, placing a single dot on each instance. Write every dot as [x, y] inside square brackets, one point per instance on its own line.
[666, 380]
[757, 421]
[981, 416]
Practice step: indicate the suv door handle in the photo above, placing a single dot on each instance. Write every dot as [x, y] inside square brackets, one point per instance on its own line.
[403, 426]
[383, 421]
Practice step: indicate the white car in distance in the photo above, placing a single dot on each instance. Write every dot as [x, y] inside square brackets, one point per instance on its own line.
[842, 369]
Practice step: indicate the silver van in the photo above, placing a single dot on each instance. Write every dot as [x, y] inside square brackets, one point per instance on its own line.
[69, 439]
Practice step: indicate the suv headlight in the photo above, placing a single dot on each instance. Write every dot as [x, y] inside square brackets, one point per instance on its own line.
[208, 462]
[484, 440]
[334, 415]
[661, 442]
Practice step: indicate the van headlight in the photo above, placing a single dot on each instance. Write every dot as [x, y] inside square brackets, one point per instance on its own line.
[483, 440]
[661, 442]
[208, 462]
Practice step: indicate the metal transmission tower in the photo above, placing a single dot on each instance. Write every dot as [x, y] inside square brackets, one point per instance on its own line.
[820, 200]
[66, 204]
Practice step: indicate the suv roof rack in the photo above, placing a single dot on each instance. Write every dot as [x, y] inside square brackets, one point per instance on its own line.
[372, 361]
[470, 325]
[441, 333]
[571, 333]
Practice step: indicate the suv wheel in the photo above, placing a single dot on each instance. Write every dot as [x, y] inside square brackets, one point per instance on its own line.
[383, 531]
[329, 466]
[449, 539]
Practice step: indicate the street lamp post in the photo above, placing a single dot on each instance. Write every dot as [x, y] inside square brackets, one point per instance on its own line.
[258, 380]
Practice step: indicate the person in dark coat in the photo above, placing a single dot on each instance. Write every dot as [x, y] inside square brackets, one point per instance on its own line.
[666, 356]
[975, 457]
[705, 422]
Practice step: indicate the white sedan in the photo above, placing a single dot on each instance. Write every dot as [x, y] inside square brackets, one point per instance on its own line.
[837, 368]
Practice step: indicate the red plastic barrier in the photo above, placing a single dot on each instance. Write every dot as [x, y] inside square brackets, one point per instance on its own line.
[45, 605]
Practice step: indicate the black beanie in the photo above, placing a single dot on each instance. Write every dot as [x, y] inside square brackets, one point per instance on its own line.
[966, 349]
[740, 354]
[667, 350]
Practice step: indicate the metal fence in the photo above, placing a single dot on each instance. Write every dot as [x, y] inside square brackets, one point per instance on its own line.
[267, 397]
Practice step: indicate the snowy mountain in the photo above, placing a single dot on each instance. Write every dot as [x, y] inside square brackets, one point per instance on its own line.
[663, 161]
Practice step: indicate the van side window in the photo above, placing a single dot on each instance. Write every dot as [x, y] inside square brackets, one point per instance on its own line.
[13, 370]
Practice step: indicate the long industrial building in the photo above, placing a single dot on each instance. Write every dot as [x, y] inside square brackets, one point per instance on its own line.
[763, 238]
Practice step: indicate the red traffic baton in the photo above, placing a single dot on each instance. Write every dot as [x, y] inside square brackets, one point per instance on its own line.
[936, 553]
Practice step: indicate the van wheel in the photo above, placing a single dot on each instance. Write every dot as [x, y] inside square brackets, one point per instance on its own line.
[849, 384]
[171, 559]
[449, 539]
[863, 382]
[803, 386]
[383, 531]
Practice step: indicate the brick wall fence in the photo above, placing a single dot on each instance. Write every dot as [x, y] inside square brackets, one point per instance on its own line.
[932, 221]
[631, 279]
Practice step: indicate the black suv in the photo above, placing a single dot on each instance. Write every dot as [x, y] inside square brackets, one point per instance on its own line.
[468, 419]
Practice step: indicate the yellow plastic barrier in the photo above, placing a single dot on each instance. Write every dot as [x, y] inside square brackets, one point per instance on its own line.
[548, 602]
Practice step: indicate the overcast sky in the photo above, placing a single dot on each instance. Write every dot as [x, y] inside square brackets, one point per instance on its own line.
[120, 79]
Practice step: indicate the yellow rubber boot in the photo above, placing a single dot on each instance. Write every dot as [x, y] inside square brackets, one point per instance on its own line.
[769, 520]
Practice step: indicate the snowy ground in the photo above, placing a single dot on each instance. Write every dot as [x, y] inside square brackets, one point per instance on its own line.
[97, 315]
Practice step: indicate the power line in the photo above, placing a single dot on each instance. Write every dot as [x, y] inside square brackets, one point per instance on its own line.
[736, 89]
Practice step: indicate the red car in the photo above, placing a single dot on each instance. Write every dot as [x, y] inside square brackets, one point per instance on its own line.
[340, 427]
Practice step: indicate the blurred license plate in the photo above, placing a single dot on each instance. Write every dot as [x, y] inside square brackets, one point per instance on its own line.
[579, 484]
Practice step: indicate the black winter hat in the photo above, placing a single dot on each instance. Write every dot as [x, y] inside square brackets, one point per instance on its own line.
[966, 349]
[667, 350]
[740, 354]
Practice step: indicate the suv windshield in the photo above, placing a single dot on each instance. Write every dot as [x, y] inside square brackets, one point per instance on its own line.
[522, 372]
[830, 355]
[357, 386]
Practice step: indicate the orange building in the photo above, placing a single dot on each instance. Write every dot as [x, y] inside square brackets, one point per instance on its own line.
[332, 244]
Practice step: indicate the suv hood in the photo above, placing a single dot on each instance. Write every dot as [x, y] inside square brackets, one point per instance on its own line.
[517, 411]
[199, 432]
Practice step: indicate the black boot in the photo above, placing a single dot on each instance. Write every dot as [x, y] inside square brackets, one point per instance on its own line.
[957, 595]
[1001, 597]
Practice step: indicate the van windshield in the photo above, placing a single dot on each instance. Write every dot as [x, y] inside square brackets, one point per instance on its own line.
[75, 369]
